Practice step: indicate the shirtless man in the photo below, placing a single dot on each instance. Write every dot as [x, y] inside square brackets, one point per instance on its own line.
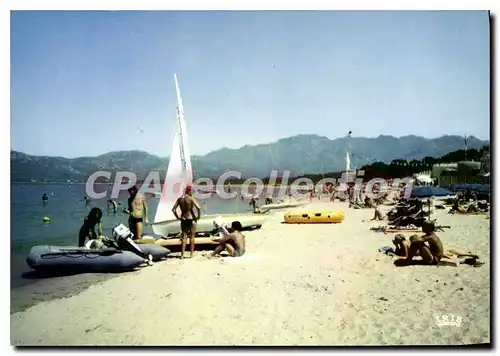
[188, 218]
[429, 246]
[234, 243]
[138, 210]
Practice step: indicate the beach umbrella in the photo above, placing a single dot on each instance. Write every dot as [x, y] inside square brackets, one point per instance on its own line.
[481, 188]
[428, 191]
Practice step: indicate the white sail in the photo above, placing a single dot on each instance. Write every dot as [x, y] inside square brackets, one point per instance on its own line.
[179, 172]
[173, 177]
[185, 152]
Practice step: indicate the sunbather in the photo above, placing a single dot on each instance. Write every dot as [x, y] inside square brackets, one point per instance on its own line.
[402, 245]
[429, 246]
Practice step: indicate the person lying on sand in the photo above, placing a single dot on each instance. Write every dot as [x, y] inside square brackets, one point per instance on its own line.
[429, 246]
[234, 243]
[188, 218]
[88, 227]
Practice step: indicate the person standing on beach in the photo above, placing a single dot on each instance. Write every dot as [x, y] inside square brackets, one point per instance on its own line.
[188, 218]
[138, 210]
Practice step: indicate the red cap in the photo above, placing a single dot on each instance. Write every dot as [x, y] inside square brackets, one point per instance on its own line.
[189, 188]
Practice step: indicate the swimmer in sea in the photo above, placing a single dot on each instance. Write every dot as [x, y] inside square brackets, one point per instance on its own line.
[234, 243]
[138, 211]
[88, 227]
[253, 203]
[86, 199]
[45, 199]
[112, 205]
[188, 218]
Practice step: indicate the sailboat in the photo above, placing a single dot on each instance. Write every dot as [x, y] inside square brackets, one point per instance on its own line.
[179, 175]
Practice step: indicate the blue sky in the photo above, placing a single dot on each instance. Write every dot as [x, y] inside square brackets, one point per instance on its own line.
[84, 83]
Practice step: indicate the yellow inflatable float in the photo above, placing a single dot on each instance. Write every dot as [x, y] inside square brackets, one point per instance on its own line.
[324, 217]
[46, 219]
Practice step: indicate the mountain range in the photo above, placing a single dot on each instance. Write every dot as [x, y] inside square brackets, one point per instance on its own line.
[300, 154]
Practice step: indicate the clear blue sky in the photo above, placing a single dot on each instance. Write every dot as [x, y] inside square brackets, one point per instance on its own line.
[83, 83]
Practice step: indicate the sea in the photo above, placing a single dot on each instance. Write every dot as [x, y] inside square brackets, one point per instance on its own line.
[67, 209]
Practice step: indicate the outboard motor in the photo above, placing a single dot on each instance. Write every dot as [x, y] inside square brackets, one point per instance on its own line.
[220, 225]
[123, 237]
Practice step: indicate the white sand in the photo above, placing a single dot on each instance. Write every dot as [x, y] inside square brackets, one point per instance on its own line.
[297, 285]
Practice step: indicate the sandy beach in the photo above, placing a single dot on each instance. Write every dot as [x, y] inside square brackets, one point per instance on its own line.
[296, 285]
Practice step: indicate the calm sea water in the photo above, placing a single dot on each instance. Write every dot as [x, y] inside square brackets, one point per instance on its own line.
[67, 209]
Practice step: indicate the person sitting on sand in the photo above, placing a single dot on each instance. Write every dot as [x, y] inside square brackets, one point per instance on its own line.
[88, 227]
[234, 243]
[402, 245]
[378, 213]
[188, 218]
[429, 246]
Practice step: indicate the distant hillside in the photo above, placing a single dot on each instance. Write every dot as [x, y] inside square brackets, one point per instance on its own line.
[300, 154]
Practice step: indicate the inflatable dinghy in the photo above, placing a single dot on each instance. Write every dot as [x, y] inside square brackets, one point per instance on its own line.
[81, 259]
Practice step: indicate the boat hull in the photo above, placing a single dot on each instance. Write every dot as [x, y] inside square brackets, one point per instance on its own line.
[206, 223]
[281, 206]
[80, 259]
[172, 242]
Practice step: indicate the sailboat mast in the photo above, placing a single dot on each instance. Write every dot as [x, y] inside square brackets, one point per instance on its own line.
[180, 114]
[348, 155]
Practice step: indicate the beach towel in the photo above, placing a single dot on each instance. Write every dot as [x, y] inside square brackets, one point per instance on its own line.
[388, 250]
[387, 229]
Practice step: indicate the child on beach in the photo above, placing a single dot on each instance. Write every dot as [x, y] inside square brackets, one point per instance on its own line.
[378, 213]
[429, 246]
[88, 227]
[402, 245]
